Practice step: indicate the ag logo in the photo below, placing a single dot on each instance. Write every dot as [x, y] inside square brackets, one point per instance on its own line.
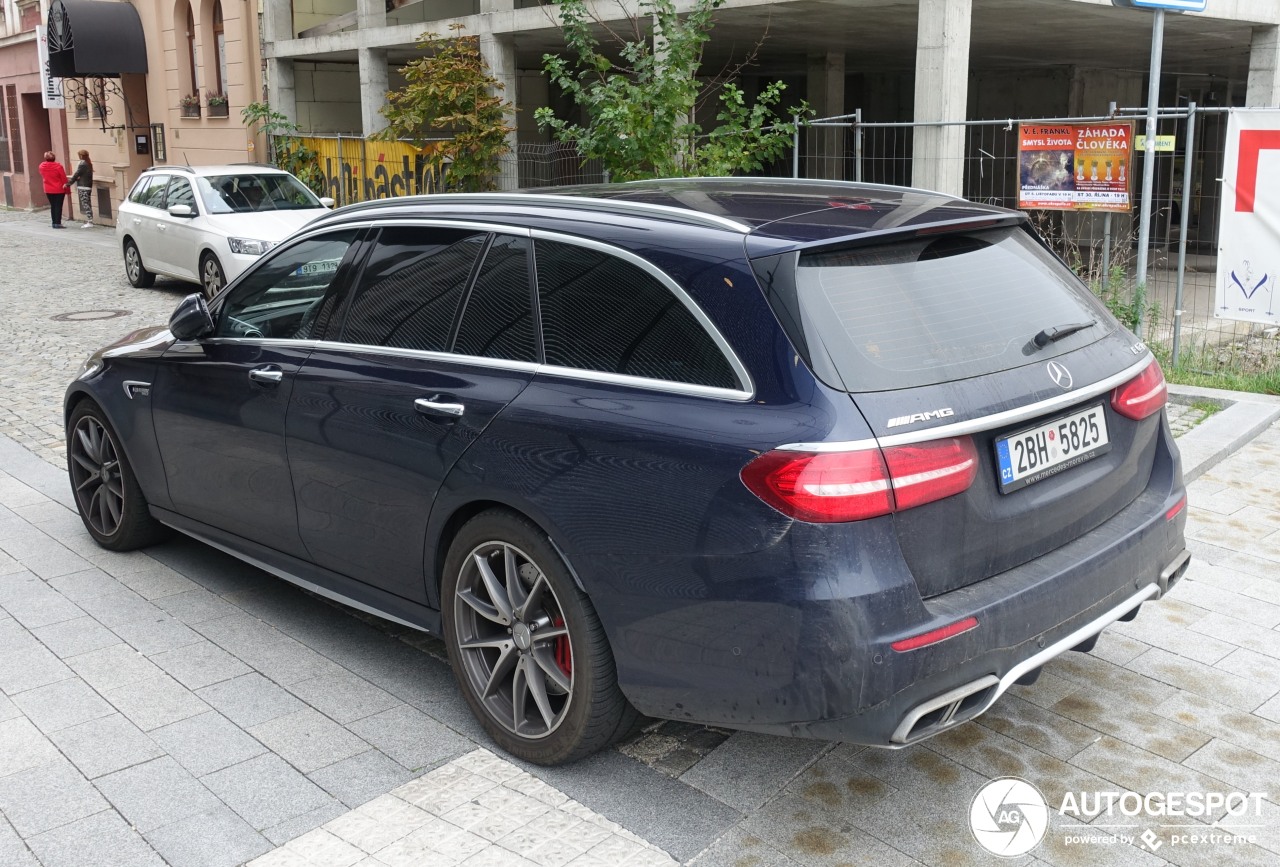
[1008, 817]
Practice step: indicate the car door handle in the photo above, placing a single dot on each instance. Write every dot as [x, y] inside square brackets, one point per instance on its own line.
[161, 226]
[269, 374]
[433, 406]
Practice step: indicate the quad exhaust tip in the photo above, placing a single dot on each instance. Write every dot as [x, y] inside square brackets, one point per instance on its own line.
[971, 699]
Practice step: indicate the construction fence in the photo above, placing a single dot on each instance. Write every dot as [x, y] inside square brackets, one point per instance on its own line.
[1178, 316]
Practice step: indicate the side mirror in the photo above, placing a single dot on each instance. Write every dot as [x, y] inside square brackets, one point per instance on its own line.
[192, 319]
[181, 211]
[327, 201]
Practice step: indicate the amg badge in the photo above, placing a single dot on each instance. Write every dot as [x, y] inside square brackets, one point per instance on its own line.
[945, 412]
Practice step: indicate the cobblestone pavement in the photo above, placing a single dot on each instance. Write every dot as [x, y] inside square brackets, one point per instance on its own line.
[177, 706]
[46, 273]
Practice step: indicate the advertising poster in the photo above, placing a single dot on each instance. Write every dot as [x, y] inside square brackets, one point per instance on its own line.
[1075, 166]
[1249, 228]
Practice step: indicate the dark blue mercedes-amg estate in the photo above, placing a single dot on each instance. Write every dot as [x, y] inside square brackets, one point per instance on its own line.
[806, 458]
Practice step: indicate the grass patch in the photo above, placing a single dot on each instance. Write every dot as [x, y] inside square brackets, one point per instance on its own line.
[1251, 365]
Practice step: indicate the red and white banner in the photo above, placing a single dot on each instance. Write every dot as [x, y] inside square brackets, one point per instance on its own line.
[1249, 230]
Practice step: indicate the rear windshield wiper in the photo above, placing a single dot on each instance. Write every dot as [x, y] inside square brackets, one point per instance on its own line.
[1057, 332]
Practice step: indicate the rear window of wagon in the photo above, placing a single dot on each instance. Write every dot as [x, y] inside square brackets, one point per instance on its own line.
[928, 310]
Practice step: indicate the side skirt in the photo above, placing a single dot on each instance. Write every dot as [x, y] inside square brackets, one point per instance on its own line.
[329, 584]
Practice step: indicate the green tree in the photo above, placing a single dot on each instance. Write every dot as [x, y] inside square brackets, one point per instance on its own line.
[450, 91]
[285, 148]
[642, 110]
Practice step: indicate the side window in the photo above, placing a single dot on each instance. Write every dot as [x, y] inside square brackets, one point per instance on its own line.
[180, 193]
[150, 191]
[498, 319]
[409, 294]
[292, 294]
[602, 313]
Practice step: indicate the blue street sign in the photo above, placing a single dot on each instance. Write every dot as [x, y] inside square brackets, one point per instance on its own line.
[1167, 5]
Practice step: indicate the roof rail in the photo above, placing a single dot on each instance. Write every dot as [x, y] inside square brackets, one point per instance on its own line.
[816, 182]
[582, 203]
[167, 168]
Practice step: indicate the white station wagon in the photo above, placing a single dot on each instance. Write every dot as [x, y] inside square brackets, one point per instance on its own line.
[207, 224]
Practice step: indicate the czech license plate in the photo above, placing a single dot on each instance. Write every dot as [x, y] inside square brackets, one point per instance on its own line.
[1028, 456]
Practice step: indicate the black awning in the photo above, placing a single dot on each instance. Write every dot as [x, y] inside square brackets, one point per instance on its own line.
[95, 38]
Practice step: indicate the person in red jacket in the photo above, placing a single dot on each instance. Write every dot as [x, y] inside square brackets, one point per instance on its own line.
[55, 186]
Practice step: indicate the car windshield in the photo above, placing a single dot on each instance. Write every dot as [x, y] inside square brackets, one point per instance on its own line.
[242, 193]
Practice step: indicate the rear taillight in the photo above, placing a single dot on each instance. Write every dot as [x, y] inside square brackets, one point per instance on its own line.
[828, 487]
[1143, 395]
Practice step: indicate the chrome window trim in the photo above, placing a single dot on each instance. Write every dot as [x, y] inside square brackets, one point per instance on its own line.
[745, 391]
[986, 422]
[426, 355]
[283, 342]
[664, 385]
[745, 385]
[530, 367]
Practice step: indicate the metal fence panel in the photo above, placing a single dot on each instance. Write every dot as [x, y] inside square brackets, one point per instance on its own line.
[1102, 251]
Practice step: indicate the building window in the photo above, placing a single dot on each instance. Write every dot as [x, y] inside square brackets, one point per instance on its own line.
[5, 165]
[193, 54]
[14, 130]
[220, 49]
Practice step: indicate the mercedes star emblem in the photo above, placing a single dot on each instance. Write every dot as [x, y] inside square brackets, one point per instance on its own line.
[1060, 375]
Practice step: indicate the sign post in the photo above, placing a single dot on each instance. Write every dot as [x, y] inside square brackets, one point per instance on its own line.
[1153, 102]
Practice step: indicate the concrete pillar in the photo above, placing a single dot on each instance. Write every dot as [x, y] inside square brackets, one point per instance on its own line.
[281, 93]
[942, 93]
[277, 26]
[825, 96]
[1264, 68]
[277, 21]
[371, 14]
[500, 55]
[375, 81]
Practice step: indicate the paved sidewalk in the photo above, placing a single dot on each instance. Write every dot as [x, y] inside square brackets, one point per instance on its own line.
[177, 706]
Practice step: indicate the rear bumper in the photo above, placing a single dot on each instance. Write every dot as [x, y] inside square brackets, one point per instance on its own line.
[971, 699]
[798, 641]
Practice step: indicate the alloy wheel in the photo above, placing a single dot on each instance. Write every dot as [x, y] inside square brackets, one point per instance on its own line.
[133, 263]
[515, 648]
[95, 475]
[211, 276]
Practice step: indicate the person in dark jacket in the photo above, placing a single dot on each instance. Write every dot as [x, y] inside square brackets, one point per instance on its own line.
[55, 186]
[82, 181]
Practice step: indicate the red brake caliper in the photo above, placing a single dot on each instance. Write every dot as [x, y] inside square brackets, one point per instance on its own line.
[564, 658]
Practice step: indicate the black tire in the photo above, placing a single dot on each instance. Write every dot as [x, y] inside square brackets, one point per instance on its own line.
[212, 277]
[553, 631]
[134, 270]
[106, 492]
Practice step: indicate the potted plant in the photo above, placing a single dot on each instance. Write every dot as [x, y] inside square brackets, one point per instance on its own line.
[217, 103]
[190, 105]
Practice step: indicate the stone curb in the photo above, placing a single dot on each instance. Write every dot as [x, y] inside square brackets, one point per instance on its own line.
[1224, 433]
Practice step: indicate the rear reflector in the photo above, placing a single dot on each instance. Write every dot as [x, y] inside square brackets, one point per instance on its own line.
[1141, 396]
[829, 487]
[1177, 507]
[942, 633]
